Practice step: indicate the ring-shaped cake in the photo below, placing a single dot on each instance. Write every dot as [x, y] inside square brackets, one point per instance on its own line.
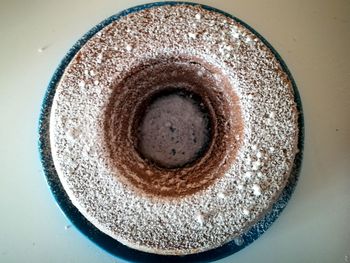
[102, 97]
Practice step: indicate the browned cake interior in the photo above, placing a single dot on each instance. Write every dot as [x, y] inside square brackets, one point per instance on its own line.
[158, 89]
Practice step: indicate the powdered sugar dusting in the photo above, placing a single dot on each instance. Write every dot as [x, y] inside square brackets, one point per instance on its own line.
[263, 162]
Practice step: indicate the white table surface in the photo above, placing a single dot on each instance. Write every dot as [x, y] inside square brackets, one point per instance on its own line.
[313, 37]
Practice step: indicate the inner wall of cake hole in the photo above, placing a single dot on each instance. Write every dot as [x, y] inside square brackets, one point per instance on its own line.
[174, 128]
[134, 126]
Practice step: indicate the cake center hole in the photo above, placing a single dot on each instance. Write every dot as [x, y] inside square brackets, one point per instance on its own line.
[174, 129]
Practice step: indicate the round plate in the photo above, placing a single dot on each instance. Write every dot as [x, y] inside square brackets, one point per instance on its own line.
[106, 242]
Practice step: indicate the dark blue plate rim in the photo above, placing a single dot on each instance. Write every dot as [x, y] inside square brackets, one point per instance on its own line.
[106, 242]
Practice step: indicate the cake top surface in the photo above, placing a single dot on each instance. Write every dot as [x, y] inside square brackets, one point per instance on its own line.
[229, 205]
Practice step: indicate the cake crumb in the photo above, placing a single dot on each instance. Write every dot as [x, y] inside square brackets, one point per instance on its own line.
[248, 175]
[192, 35]
[128, 47]
[221, 195]
[246, 212]
[256, 189]
[43, 48]
[239, 241]
[199, 218]
[81, 84]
